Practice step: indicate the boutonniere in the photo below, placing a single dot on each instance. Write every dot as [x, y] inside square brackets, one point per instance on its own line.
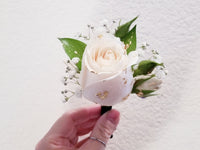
[108, 65]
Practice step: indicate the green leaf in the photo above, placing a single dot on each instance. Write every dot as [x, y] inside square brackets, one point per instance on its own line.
[130, 40]
[144, 93]
[123, 29]
[139, 82]
[146, 67]
[147, 93]
[73, 48]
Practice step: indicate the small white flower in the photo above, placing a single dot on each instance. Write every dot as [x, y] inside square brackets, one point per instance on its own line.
[104, 22]
[75, 60]
[145, 44]
[157, 58]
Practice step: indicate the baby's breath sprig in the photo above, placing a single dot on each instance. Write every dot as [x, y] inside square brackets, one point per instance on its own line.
[70, 80]
[105, 27]
[145, 52]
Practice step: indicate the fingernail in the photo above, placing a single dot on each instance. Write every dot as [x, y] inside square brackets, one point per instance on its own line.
[113, 116]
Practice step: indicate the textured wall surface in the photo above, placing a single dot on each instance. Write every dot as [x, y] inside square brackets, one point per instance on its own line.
[31, 68]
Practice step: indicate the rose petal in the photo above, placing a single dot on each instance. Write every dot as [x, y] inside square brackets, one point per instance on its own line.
[110, 91]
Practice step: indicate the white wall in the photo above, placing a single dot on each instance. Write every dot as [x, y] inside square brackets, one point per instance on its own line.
[31, 68]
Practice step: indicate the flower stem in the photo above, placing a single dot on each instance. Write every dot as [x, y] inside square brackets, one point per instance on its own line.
[104, 109]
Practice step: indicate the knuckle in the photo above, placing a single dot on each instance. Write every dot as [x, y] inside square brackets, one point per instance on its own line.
[105, 130]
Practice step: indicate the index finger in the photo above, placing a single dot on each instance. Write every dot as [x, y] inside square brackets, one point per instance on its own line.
[67, 124]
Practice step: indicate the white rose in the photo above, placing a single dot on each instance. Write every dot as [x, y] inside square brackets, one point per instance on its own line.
[106, 75]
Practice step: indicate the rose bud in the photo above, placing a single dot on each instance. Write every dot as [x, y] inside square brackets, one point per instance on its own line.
[145, 85]
[106, 75]
[151, 84]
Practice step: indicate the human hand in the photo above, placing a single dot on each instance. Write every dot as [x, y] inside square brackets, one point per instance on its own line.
[65, 132]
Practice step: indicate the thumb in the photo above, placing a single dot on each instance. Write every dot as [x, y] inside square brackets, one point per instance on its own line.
[102, 131]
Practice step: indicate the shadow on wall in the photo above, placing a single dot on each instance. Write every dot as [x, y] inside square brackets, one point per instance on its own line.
[144, 120]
